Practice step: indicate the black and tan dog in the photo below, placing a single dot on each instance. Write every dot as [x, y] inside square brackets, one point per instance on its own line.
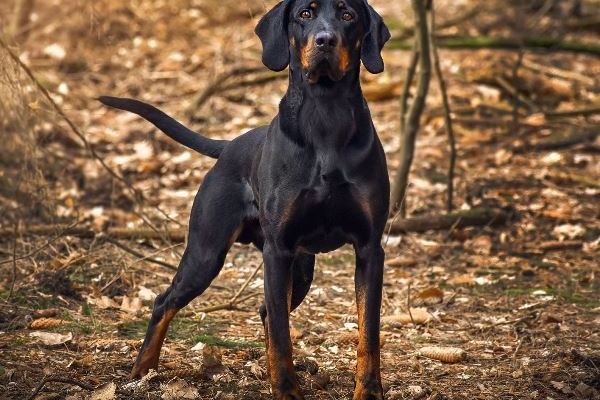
[310, 182]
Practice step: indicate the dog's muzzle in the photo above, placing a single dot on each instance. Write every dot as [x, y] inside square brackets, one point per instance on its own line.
[324, 56]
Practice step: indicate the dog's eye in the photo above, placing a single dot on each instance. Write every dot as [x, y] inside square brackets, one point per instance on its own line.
[306, 14]
[346, 16]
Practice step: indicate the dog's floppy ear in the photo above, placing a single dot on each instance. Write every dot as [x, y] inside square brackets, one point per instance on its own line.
[375, 37]
[272, 31]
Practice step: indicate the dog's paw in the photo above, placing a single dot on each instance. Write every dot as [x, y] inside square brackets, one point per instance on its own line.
[291, 395]
[378, 396]
[370, 392]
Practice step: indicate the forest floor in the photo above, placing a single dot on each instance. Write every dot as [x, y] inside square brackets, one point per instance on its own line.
[521, 299]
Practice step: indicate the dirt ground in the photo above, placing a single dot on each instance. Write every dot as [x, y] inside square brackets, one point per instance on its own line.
[521, 299]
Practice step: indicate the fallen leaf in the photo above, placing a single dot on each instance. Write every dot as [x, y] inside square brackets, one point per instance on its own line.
[428, 297]
[52, 338]
[104, 303]
[146, 294]
[212, 356]
[568, 231]
[402, 262]
[296, 334]
[420, 316]
[178, 389]
[462, 280]
[131, 305]
[258, 371]
[480, 245]
[106, 392]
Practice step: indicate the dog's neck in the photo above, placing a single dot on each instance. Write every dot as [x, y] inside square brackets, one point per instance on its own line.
[330, 114]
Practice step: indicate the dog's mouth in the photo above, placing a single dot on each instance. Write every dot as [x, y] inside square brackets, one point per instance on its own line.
[324, 68]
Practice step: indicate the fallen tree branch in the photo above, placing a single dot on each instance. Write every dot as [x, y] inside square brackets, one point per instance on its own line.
[176, 235]
[546, 145]
[557, 72]
[60, 379]
[459, 219]
[578, 112]
[487, 42]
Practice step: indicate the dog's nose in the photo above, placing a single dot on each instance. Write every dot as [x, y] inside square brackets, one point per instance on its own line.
[325, 40]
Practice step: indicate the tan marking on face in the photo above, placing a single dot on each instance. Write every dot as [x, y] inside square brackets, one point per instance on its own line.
[344, 59]
[341, 4]
[306, 52]
[314, 5]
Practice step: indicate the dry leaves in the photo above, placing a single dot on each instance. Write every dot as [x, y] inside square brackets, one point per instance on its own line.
[178, 389]
[52, 338]
[420, 316]
[428, 297]
[106, 392]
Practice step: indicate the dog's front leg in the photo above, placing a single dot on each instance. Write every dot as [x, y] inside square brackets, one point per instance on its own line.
[278, 297]
[368, 283]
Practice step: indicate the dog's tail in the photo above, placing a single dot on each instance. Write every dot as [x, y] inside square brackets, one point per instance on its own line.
[173, 129]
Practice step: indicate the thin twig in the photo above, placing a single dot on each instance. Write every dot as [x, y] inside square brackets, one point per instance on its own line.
[60, 379]
[515, 80]
[409, 305]
[37, 250]
[226, 306]
[245, 285]
[410, 75]
[447, 111]
[14, 262]
[235, 299]
[558, 73]
[215, 85]
[131, 251]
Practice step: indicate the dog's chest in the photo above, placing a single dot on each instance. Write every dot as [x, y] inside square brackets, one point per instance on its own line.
[325, 215]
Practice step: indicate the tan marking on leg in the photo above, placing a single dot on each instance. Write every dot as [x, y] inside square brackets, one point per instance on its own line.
[151, 353]
[366, 363]
[280, 368]
[357, 45]
[293, 42]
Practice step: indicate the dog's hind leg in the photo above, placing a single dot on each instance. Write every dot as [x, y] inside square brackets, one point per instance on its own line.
[216, 220]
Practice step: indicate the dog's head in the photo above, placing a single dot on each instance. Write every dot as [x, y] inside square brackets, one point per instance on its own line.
[325, 38]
